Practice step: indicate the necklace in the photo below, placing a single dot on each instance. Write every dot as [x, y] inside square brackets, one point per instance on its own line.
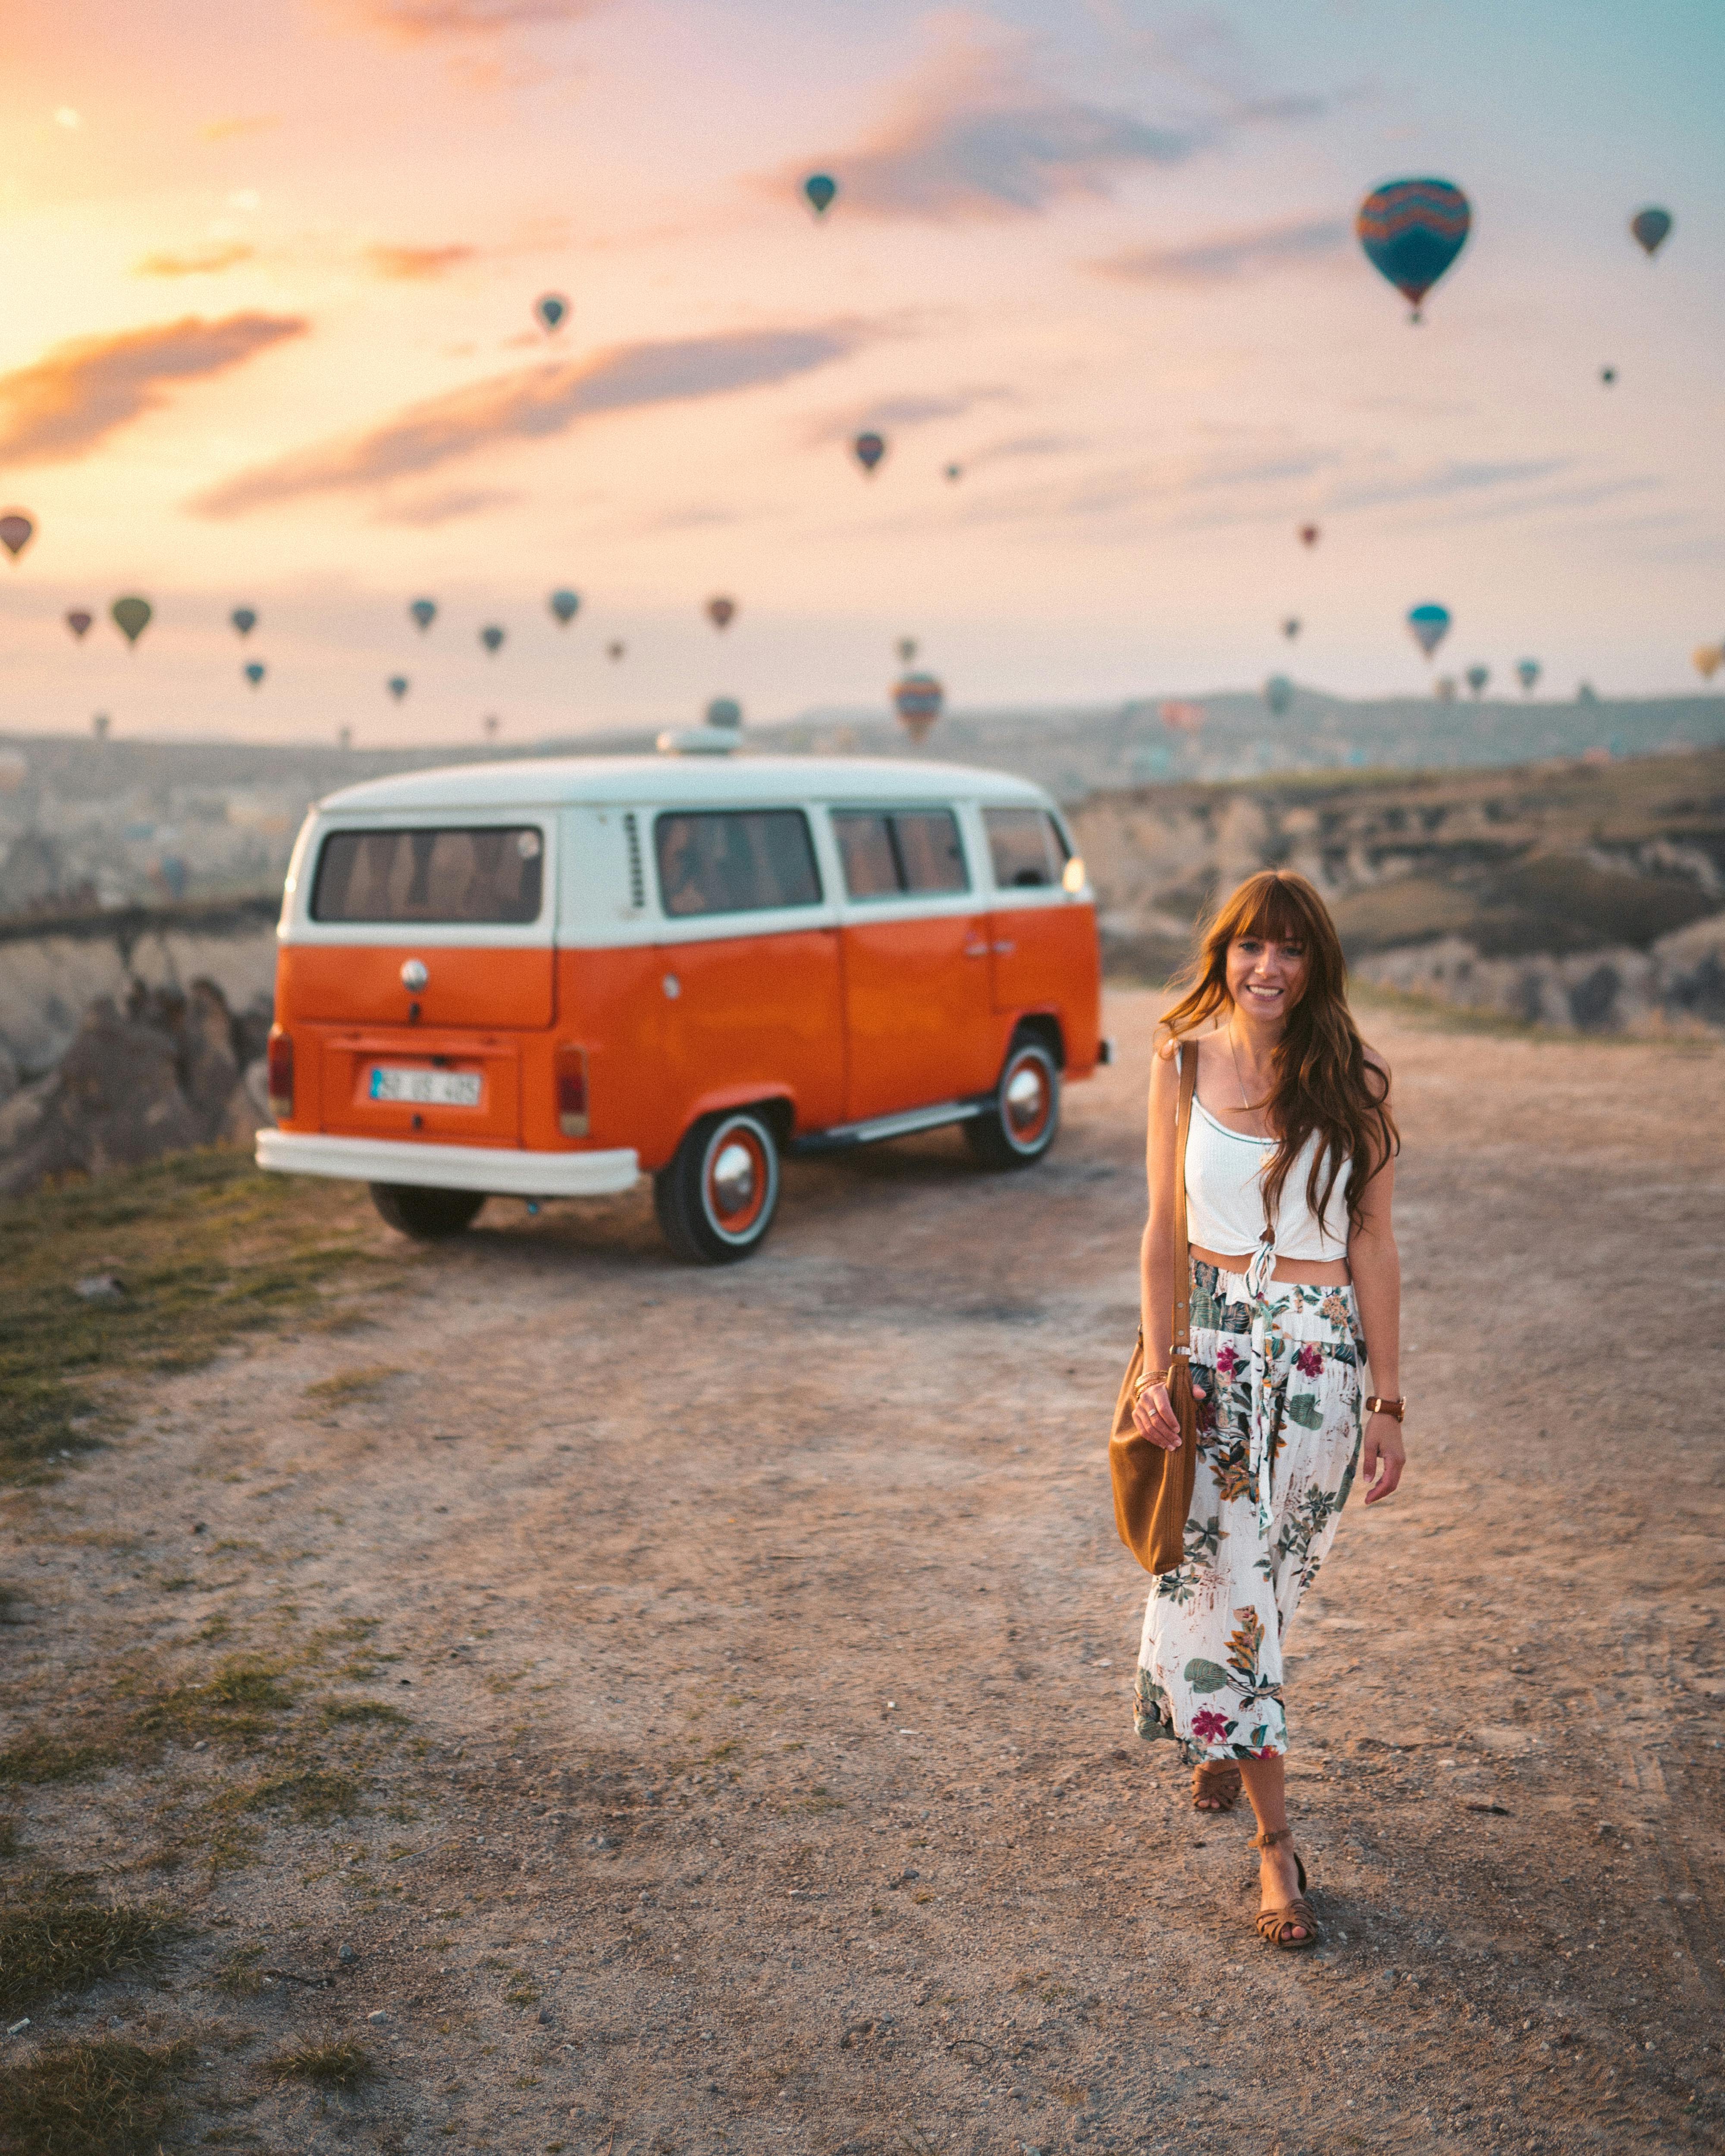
[1234, 1054]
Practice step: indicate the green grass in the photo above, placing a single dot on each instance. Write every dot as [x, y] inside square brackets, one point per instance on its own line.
[50, 1945]
[325, 2065]
[236, 1704]
[109, 2098]
[315, 1797]
[209, 1248]
[37, 1758]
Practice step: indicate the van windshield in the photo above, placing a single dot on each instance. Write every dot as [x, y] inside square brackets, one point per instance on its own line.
[468, 873]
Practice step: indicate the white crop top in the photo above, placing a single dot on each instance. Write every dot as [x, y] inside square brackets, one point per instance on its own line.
[1224, 1194]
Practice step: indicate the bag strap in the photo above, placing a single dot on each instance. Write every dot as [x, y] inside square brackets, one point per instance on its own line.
[1183, 1248]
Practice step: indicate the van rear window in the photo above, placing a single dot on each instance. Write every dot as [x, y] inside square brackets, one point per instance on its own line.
[747, 861]
[460, 874]
[887, 854]
[1026, 848]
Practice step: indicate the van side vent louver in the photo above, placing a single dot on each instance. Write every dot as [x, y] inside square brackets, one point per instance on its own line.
[637, 881]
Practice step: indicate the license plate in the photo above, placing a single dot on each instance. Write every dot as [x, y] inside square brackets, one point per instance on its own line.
[426, 1089]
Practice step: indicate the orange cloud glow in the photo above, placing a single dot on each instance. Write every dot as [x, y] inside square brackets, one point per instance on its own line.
[197, 261]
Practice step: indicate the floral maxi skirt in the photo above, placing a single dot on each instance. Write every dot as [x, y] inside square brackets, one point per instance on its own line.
[1278, 1440]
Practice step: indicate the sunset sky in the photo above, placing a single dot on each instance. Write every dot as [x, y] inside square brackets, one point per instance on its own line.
[270, 340]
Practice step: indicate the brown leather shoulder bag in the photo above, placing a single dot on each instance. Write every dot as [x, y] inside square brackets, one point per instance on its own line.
[1153, 1489]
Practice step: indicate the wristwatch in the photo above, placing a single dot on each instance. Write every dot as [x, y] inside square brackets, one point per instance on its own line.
[1377, 1405]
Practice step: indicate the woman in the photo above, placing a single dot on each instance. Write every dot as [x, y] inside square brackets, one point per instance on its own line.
[1289, 1171]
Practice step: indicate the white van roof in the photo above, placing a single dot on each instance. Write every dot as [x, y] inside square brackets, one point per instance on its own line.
[682, 781]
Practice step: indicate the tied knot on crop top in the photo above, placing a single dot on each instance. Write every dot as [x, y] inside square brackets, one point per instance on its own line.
[1224, 1196]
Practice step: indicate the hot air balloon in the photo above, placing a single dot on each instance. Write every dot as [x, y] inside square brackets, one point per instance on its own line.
[344, 738]
[78, 621]
[868, 448]
[1528, 674]
[1309, 535]
[1412, 230]
[99, 724]
[131, 617]
[955, 472]
[820, 188]
[720, 611]
[918, 699]
[1429, 625]
[615, 650]
[1476, 678]
[243, 619]
[1278, 693]
[906, 649]
[1650, 228]
[550, 309]
[1708, 657]
[423, 613]
[397, 685]
[1182, 718]
[491, 636]
[1444, 688]
[492, 723]
[1290, 627]
[1608, 374]
[17, 530]
[724, 712]
[254, 672]
[565, 605]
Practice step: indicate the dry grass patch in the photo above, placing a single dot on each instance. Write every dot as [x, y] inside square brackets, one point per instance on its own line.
[109, 2098]
[48, 1947]
[37, 1757]
[314, 1798]
[341, 2066]
[346, 1385]
[236, 1703]
[377, 1712]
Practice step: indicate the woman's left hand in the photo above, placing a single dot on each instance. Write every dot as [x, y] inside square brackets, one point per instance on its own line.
[1383, 1456]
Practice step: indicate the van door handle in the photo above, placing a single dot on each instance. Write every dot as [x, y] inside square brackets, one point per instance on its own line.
[976, 950]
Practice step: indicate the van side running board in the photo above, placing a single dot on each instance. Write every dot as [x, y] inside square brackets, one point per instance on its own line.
[901, 1125]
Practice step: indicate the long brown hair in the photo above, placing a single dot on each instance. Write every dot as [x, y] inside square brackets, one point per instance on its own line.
[1323, 1082]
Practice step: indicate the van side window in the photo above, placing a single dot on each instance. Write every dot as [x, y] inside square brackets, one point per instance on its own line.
[735, 862]
[886, 856]
[463, 874]
[1026, 849]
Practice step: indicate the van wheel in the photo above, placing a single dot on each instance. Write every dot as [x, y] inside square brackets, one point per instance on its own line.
[716, 1199]
[427, 1215]
[1020, 1123]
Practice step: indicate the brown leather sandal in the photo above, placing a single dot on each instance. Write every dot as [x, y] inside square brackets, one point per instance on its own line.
[1275, 1926]
[1215, 1785]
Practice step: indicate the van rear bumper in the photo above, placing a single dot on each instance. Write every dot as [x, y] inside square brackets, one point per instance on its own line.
[500, 1171]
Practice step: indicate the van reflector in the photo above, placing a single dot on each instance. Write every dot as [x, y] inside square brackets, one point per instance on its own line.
[281, 1076]
[571, 1090]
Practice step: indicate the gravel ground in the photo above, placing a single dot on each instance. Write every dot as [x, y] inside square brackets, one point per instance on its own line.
[767, 1779]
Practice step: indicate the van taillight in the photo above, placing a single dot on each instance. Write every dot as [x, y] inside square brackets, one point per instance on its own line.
[281, 1076]
[572, 1091]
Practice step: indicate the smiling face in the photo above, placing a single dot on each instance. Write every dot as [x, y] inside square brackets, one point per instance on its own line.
[1267, 976]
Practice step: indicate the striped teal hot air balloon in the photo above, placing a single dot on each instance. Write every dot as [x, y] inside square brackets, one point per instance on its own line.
[1428, 624]
[1412, 230]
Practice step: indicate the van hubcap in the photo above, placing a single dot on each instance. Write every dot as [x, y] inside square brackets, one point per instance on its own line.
[1027, 1101]
[737, 1180]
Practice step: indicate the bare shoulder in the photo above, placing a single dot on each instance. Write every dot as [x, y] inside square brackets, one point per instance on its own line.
[1374, 1059]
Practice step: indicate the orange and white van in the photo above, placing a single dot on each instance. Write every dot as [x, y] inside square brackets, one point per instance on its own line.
[540, 979]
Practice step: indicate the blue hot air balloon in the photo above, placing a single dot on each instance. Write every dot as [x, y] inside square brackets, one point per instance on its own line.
[398, 686]
[565, 605]
[1430, 625]
[551, 309]
[868, 448]
[1278, 693]
[918, 699]
[1412, 230]
[424, 611]
[820, 188]
[1650, 227]
[254, 672]
[245, 619]
[724, 712]
[491, 636]
[1528, 674]
[1476, 677]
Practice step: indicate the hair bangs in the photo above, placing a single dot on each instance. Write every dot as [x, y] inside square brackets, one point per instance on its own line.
[1269, 906]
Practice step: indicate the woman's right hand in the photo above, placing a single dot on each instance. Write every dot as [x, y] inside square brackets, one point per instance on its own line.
[1153, 1417]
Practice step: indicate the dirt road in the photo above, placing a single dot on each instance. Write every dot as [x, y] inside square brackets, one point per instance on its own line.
[768, 1780]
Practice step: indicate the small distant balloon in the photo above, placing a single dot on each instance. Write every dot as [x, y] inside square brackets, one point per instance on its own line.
[1444, 688]
[253, 671]
[918, 698]
[131, 617]
[344, 739]
[868, 448]
[906, 649]
[423, 613]
[1180, 717]
[398, 686]
[721, 612]
[820, 188]
[955, 472]
[78, 621]
[492, 723]
[565, 605]
[491, 636]
[1528, 674]
[17, 530]
[1429, 625]
[1477, 677]
[1411, 231]
[1651, 228]
[99, 724]
[1608, 374]
[724, 712]
[243, 619]
[1278, 693]
[1708, 657]
[1290, 627]
[615, 650]
[1309, 535]
[550, 308]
